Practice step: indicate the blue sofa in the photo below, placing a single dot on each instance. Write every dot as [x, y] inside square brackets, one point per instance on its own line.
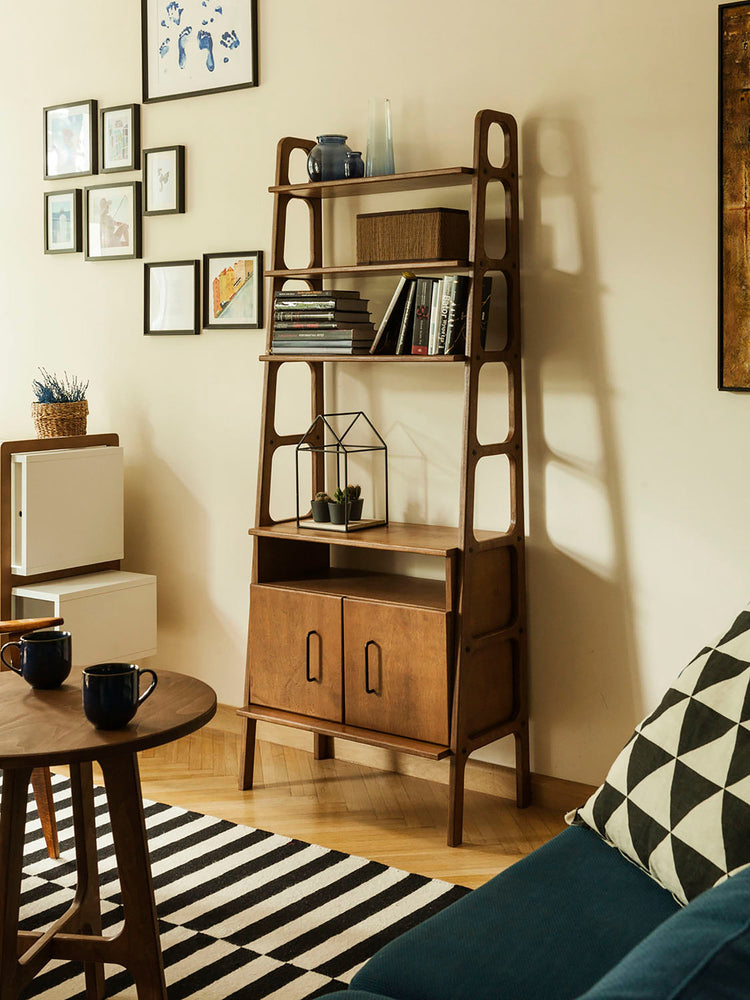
[575, 919]
[645, 897]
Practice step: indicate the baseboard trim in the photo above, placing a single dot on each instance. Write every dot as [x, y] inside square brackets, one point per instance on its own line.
[558, 794]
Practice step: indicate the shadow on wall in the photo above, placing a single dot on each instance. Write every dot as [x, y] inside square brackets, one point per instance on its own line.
[584, 671]
[168, 533]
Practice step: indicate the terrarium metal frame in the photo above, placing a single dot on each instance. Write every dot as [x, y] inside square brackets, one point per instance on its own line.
[341, 450]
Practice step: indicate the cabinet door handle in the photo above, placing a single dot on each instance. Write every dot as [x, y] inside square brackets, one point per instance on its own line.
[307, 654]
[368, 689]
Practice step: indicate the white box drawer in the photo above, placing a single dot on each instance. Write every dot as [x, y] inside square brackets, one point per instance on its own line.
[111, 615]
[68, 509]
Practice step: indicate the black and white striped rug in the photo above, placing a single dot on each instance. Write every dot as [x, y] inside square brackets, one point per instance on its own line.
[243, 914]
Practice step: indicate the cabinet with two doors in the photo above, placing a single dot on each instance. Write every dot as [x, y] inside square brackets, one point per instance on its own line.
[433, 666]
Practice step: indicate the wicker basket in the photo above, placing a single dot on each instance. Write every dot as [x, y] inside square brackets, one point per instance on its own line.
[60, 419]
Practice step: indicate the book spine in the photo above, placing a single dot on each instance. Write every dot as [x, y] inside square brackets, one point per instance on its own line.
[435, 311]
[403, 344]
[351, 333]
[320, 305]
[455, 333]
[484, 316]
[313, 325]
[421, 327]
[449, 292]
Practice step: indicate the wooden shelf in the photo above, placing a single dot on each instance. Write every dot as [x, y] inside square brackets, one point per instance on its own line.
[429, 359]
[416, 180]
[370, 269]
[424, 539]
[326, 728]
[384, 588]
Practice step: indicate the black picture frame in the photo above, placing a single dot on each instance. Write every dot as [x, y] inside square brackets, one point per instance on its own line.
[69, 240]
[70, 139]
[159, 199]
[119, 127]
[196, 51]
[162, 297]
[231, 313]
[104, 240]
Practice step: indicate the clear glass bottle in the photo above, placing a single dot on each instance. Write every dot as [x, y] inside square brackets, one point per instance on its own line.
[379, 138]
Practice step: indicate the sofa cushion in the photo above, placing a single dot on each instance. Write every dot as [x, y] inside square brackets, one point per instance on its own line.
[676, 801]
[549, 926]
[702, 951]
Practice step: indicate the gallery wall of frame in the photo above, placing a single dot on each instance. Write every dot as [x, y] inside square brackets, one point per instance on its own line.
[211, 53]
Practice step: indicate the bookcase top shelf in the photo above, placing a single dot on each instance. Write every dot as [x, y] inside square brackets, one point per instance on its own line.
[415, 180]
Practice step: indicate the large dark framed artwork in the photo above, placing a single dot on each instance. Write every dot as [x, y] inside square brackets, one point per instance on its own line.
[734, 196]
[194, 47]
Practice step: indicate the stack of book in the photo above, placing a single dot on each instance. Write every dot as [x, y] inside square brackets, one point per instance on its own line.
[428, 316]
[327, 322]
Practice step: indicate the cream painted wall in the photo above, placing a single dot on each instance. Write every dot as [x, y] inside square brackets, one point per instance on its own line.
[638, 541]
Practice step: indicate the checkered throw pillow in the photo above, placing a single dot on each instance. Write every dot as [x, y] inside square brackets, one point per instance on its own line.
[676, 800]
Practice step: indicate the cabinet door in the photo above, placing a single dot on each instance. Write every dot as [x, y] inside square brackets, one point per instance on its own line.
[396, 670]
[294, 651]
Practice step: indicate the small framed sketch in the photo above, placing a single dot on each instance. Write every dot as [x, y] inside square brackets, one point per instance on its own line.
[63, 225]
[113, 221]
[233, 290]
[195, 47]
[164, 180]
[120, 137]
[171, 303]
[70, 139]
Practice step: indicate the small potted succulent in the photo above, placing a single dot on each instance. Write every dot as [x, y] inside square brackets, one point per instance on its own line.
[342, 499]
[61, 408]
[319, 504]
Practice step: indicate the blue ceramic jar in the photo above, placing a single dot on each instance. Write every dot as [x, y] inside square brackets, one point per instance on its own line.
[327, 160]
[354, 166]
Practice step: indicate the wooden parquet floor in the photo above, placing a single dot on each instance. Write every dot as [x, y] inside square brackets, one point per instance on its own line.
[395, 819]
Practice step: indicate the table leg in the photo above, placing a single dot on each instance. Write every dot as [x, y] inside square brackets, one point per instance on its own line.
[89, 914]
[41, 782]
[140, 934]
[12, 830]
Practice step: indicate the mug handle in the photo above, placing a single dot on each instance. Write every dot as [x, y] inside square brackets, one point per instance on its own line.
[9, 665]
[149, 689]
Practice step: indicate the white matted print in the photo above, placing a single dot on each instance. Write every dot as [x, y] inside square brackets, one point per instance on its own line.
[62, 221]
[120, 133]
[192, 47]
[113, 221]
[170, 297]
[164, 180]
[233, 290]
[70, 139]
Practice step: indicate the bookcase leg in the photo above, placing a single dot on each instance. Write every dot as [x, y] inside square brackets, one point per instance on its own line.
[247, 755]
[523, 770]
[456, 798]
[322, 747]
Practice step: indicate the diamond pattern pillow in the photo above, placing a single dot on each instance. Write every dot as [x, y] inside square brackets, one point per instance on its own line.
[676, 801]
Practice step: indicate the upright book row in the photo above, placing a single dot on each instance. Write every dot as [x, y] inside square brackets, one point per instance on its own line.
[428, 316]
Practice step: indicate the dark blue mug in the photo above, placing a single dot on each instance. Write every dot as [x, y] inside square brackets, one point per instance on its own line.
[45, 657]
[111, 693]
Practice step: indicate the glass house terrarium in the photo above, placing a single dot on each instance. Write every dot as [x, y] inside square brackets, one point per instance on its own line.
[345, 452]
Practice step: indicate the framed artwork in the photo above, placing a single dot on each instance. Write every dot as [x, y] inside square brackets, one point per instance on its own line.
[194, 47]
[164, 180]
[233, 290]
[63, 225]
[120, 137]
[70, 139]
[113, 221]
[171, 303]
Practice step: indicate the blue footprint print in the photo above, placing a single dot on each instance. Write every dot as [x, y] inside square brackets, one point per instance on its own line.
[164, 48]
[205, 41]
[182, 58]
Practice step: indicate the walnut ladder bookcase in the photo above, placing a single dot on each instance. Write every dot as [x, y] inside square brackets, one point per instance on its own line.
[435, 667]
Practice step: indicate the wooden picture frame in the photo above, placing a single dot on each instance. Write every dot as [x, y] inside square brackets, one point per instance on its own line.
[233, 290]
[171, 298]
[734, 199]
[63, 221]
[70, 139]
[112, 213]
[192, 48]
[119, 138]
[164, 180]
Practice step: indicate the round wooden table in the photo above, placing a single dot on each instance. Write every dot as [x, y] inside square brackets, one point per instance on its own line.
[40, 728]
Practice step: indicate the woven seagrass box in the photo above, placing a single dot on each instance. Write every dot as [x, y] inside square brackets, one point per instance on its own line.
[417, 235]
